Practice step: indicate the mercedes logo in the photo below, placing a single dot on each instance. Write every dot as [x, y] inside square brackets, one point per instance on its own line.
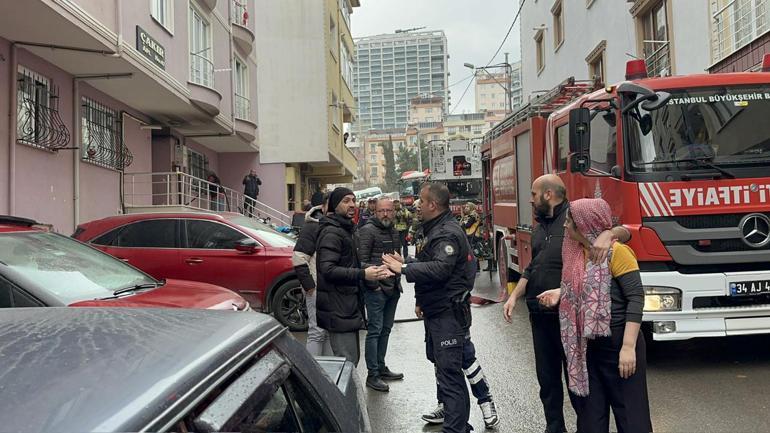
[755, 230]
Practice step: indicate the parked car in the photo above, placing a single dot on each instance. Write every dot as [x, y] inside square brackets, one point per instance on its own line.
[226, 249]
[126, 369]
[40, 268]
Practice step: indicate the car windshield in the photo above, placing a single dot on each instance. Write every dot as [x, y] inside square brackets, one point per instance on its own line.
[263, 232]
[66, 268]
[465, 189]
[723, 125]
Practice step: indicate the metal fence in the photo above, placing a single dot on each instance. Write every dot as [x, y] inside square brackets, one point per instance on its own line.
[735, 23]
[177, 189]
[201, 70]
[242, 107]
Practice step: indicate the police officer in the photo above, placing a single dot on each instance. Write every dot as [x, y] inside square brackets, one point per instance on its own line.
[443, 273]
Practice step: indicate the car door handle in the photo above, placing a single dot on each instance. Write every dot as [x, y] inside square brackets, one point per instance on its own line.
[122, 259]
[193, 261]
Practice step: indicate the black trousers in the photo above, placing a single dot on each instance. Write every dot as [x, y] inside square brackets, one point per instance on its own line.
[551, 367]
[444, 340]
[404, 244]
[627, 397]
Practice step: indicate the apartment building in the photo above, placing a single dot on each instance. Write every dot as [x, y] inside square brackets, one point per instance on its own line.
[426, 109]
[593, 39]
[466, 126]
[740, 34]
[371, 155]
[99, 94]
[392, 69]
[305, 90]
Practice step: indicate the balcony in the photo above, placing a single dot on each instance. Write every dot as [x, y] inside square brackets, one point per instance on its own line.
[177, 191]
[244, 126]
[658, 58]
[201, 84]
[736, 24]
[242, 36]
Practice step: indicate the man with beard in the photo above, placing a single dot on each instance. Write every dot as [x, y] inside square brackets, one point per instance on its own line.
[549, 201]
[339, 308]
[376, 238]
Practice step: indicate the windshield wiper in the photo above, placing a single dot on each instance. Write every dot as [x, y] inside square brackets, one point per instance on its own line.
[700, 162]
[135, 288]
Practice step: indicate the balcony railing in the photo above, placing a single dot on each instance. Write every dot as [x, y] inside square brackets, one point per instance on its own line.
[735, 23]
[240, 12]
[242, 107]
[201, 70]
[177, 189]
[659, 58]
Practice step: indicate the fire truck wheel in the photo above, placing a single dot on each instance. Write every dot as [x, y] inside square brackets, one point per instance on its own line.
[502, 263]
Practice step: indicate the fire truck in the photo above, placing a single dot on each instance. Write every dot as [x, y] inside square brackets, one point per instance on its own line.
[409, 186]
[683, 163]
[457, 163]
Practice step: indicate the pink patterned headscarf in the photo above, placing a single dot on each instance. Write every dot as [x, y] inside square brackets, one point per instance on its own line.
[584, 307]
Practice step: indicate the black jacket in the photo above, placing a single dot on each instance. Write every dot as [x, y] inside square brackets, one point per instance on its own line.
[544, 271]
[303, 258]
[444, 268]
[339, 304]
[364, 217]
[251, 186]
[373, 240]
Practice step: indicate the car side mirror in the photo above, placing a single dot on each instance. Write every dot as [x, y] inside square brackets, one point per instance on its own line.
[580, 139]
[248, 246]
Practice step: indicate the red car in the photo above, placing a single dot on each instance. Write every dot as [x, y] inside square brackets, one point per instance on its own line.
[226, 249]
[39, 268]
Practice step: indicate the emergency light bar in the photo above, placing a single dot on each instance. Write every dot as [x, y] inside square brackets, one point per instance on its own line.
[766, 63]
[636, 69]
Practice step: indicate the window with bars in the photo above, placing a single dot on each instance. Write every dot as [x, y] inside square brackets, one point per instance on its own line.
[163, 12]
[655, 40]
[735, 24]
[102, 136]
[240, 12]
[38, 122]
[201, 52]
[197, 164]
[242, 102]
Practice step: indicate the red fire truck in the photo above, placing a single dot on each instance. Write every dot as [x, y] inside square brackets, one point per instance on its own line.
[683, 163]
[409, 185]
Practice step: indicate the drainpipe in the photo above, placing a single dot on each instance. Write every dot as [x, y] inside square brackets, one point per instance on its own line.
[12, 96]
[119, 26]
[76, 139]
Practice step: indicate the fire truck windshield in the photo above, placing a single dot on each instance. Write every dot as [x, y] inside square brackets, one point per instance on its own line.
[725, 126]
[465, 189]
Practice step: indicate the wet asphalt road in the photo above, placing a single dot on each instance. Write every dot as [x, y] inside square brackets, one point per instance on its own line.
[701, 385]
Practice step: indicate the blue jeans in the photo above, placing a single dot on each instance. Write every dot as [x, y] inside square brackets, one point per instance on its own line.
[381, 312]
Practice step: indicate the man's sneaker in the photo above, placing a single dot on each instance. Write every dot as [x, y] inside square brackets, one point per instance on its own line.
[489, 412]
[435, 417]
[386, 374]
[375, 383]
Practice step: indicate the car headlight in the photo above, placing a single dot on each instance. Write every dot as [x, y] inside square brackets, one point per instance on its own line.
[662, 299]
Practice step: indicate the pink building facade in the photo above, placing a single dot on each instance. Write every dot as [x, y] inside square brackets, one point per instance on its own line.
[94, 91]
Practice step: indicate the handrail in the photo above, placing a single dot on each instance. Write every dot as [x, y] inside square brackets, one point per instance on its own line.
[176, 188]
[202, 66]
[242, 107]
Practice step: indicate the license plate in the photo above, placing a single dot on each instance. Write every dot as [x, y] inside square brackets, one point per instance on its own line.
[748, 288]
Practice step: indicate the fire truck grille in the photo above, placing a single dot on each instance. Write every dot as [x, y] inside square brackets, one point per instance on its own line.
[709, 221]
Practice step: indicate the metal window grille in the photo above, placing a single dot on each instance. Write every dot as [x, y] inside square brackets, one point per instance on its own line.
[198, 164]
[37, 107]
[240, 12]
[242, 102]
[735, 24]
[102, 132]
[201, 64]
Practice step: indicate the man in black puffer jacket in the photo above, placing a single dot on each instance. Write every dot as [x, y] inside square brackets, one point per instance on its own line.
[339, 307]
[378, 237]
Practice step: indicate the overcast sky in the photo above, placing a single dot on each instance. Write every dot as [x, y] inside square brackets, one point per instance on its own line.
[474, 30]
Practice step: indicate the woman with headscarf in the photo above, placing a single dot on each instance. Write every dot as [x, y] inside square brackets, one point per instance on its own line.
[600, 311]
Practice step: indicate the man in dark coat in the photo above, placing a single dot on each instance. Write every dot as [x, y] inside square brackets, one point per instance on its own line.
[368, 213]
[251, 185]
[339, 307]
[376, 238]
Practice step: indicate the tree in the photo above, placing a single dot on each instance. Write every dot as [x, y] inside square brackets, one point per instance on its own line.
[407, 158]
[391, 175]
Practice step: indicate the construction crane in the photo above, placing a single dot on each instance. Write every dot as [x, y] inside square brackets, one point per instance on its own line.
[414, 29]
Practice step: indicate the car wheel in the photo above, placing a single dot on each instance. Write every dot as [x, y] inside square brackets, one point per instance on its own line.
[289, 306]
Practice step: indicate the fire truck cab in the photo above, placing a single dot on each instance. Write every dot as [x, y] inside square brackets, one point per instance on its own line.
[682, 162]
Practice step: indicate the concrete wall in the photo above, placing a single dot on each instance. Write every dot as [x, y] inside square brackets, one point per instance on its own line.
[691, 33]
[291, 80]
[4, 128]
[104, 11]
[234, 166]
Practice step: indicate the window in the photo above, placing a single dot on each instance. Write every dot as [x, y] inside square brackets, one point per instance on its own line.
[143, 234]
[558, 25]
[436, 136]
[736, 23]
[240, 12]
[102, 135]
[201, 51]
[429, 110]
[210, 235]
[595, 60]
[162, 11]
[277, 415]
[562, 142]
[197, 164]
[655, 43]
[372, 147]
[603, 142]
[335, 110]
[242, 103]
[540, 51]
[346, 65]
[38, 122]
[373, 158]
[373, 172]
[13, 297]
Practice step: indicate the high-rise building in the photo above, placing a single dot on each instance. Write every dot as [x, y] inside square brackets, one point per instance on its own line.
[392, 69]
